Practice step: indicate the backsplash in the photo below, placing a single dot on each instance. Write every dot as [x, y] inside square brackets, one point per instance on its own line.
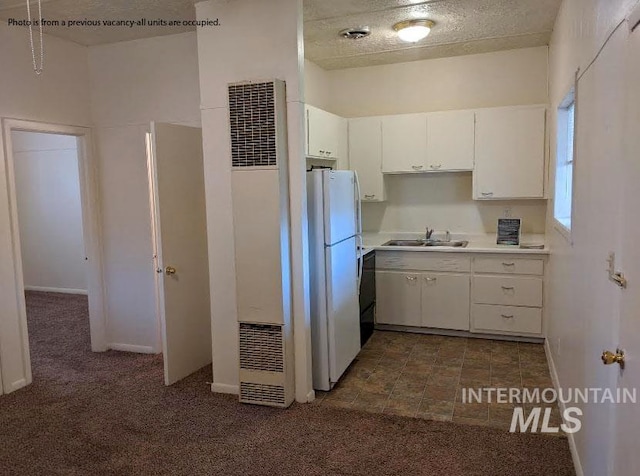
[443, 202]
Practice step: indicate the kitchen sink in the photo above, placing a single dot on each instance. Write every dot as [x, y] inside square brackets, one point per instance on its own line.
[404, 243]
[448, 244]
[452, 244]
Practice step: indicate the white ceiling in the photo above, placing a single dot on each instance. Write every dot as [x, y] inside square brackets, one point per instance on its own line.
[462, 26]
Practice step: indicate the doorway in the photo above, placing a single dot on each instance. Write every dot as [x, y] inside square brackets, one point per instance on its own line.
[55, 245]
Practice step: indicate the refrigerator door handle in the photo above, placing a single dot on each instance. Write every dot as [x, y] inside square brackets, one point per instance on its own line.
[359, 230]
[359, 204]
[360, 262]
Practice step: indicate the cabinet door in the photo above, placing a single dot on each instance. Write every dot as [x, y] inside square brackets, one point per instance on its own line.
[445, 301]
[323, 131]
[509, 153]
[404, 143]
[398, 298]
[450, 140]
[365, 157]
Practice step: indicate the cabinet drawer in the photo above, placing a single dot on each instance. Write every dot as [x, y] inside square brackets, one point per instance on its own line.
[509, 266]
[508, 291]
[517, 320]
[423, 261]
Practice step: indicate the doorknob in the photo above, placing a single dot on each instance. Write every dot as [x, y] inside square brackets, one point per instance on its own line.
[609, 358]
[170, 270]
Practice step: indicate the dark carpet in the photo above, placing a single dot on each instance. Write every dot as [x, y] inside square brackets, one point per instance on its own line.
[109, 414]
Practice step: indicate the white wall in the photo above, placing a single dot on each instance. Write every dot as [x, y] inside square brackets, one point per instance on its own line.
[59, 95]
[316, 86]
[443, 202]
[505, 78]
[273, 50]
[133, 83]
[582, 303]
[49, 212]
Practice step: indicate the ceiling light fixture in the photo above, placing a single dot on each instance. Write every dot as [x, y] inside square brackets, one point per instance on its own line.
[413, 30]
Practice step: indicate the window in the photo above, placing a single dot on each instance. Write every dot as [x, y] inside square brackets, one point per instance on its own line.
[564, 163]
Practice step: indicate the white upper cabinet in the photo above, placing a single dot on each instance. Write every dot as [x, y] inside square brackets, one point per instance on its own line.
[404, 143]
[365, 157]
[509, 153]
[323, 133]
[450, 141]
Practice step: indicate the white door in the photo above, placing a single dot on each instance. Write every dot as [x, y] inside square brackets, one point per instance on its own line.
[596, 231]
[398, 298]
[182, 264]
[365, 157]
[339, 205]
[445, 301]
[627, 457]
[509, 153]
[404, 143]
[450, 140]
[343, 308]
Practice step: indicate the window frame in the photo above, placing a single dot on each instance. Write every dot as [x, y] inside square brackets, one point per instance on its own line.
[564, 145]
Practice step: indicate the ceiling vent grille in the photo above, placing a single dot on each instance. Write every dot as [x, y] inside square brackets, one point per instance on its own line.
[262, 394]
[253, 124]
[261, 347]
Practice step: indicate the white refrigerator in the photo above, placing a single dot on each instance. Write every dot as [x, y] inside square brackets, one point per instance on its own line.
[335, 270]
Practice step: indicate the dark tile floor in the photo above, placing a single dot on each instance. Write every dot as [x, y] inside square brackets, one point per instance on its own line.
[423, 376]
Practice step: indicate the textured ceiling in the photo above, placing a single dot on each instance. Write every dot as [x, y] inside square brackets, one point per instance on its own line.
[105, 10]
[462, 26]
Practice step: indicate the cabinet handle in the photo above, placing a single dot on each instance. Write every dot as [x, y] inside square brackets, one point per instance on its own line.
[487, 194]
[436, 166]
[430, 280]
[508, 288]
[508, 264]
[417, 167]
[507, 316]
[369, 197]
[410, 278]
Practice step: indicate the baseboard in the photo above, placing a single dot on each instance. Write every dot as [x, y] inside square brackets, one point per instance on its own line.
[556, 383]
[454, 333]
[17, 385]
[46, 289]
[138, 349]
[225, 388]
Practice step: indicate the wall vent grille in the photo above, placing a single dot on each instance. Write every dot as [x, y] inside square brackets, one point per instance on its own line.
[262, 393]
[253, 124]
[261, 347]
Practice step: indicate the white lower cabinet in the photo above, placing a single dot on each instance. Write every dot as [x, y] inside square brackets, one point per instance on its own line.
[398, 298]
[445, 301]
[480, 293]
[511, 319]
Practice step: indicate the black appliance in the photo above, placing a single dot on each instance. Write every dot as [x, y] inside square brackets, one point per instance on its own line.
[367, 297]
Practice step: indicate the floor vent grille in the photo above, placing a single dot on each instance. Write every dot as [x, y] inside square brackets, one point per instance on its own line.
[262, 394]
[261, 347]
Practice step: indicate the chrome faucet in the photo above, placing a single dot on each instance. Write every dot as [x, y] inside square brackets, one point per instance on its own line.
[429, 233]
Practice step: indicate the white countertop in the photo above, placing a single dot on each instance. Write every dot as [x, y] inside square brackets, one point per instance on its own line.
[478, 243]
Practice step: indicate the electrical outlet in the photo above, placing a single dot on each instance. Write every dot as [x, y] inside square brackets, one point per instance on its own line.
[507, 212]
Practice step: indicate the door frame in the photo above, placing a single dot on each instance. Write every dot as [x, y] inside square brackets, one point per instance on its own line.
[91, 227]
